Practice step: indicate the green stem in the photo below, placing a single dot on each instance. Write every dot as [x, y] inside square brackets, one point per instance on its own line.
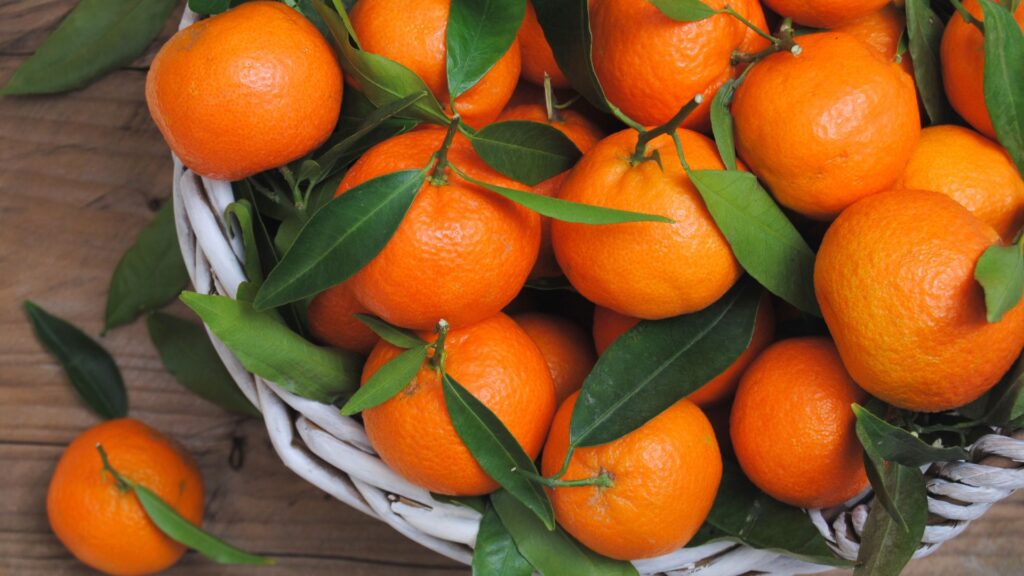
[437, 360]
[550, 106]
[785, 42]
[967, 16]
[565, 463]
[123, 484]
[728, 10]
[602, 480]
[438, 177]
[645, 136]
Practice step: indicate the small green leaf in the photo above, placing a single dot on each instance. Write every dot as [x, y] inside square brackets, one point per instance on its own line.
[90, 368]
[924, 29]
[393, 335]
[656, 363]
[187, 353]
[552, 552]
[764, 241]
[341, 238]
[528, 152]
[1004, 78]
[181, 530]
[150, 274]
[887, 545]
[895, 444]
[479, 33]
[495, 553]
[1000, 271]
[563, 210]
[496, 449]
[270, 349]
[210, 6]
[566, 26]
[96, 37]
[386, 382]
[242, 214]
[722, 124]
[874, 467]
[382, 80]
[685, 10]
[745, 514]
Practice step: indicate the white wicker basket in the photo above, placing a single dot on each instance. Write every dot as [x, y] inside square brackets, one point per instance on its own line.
[332, 452]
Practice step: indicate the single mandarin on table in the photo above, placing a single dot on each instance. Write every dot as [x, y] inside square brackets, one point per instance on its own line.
[895, 280]
[245, 91]
[497, 362]
[106, 527]
[792, 427]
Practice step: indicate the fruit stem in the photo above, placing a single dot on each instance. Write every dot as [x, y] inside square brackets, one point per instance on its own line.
[550, 106]
[438, 177]
[602, 480]
[437, 360]
[785, 42]
[565, 464]
[967, 16]
[123, 484]
[645, 136]
[728, 10]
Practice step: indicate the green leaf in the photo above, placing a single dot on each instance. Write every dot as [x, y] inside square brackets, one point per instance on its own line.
[187, 353]
[886, 545]
[90, 368]
[1004, 78]
[528, 152]
[382, 80]
[566, 25]
[552, 552]
[563, 209]
[722, 124]
[685, 10]
[764, 241]
[495, 553]
[479, 33]
[897, 445]
[188, 534]
[393, 335]
[95, 38]
[496, 449]
[150, 274]
[874, 467]
[924, 29]
[211, 6]
[656, 363]
[242, 213]
[270, 349]
[743, 513]
[386, 382]
[1004, 403]
[341, 238]
[478, 503]
[1000, 271]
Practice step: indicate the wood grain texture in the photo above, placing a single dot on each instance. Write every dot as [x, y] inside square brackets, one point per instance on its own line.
[82, 173]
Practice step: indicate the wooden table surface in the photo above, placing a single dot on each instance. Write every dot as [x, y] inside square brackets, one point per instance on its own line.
[80, 175]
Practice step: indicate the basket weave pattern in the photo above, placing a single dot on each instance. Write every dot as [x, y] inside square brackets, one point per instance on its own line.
[332, 451]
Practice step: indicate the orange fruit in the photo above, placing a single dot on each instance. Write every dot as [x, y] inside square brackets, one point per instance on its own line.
[881, 30]
[584, 134]
[245, 91]
[895, 280]
[665, 476]
[332, 320]
[972, 170]
[645, 269]
[566, 348]
[825, 14]
[461, 253]
[828, 127]
[962, 54]
[413, 34]
[496, 361]
[609, 325]
[106, 527]
[650, 66]
[792, 427]
[536, 54]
